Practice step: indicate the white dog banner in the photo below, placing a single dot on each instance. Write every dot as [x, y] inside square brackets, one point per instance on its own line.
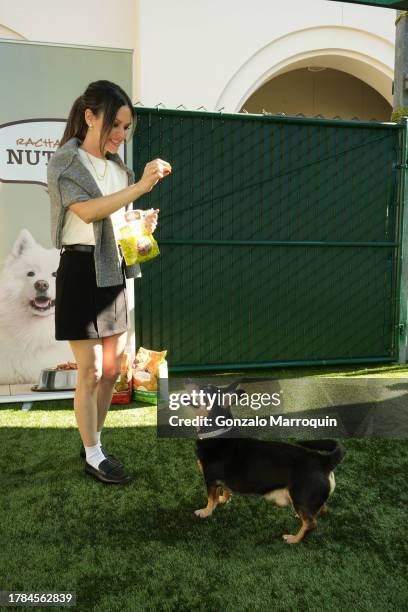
[27, 307]
[27, 277]
[26, 147]
[33, 115]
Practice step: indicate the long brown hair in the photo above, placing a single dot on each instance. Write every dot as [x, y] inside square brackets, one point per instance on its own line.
[100, 97]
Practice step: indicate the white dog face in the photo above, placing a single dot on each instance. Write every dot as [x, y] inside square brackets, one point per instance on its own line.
[28, 277]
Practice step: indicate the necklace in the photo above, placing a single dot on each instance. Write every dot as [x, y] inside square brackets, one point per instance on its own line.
[100, 177]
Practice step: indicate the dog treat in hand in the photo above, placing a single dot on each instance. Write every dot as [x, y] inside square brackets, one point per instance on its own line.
[137, 244]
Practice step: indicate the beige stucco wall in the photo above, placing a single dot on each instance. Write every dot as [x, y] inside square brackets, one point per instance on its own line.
[216, 54]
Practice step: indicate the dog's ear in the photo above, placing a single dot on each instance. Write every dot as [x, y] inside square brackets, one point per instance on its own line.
[232, 387]
[190, 386]
[23, 242]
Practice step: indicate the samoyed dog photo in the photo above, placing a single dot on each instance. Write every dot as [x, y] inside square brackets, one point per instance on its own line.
[27, 304]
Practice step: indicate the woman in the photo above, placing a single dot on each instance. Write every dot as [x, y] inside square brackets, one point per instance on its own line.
[89, 188]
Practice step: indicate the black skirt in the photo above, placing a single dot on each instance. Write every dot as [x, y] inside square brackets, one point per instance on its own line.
[82, 309]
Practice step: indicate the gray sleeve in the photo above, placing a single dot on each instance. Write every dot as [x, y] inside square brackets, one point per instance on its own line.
[71, 192]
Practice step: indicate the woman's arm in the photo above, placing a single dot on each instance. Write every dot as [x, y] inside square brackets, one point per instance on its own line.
[99, 208]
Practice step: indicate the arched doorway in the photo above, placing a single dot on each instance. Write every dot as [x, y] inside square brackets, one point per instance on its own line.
[342, 52]
[317, 90]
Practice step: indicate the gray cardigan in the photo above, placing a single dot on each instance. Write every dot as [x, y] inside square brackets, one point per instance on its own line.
[69, 182]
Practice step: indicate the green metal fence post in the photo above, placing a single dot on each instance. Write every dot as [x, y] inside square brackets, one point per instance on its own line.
[403, 249]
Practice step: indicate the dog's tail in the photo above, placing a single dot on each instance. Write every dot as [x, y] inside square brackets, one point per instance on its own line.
[334, 451]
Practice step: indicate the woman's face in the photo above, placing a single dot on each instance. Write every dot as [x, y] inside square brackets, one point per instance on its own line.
[118, 133]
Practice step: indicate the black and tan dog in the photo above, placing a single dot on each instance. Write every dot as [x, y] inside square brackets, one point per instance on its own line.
[297, 474]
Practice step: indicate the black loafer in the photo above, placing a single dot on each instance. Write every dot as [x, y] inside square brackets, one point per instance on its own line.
[114, 459]
[108, 473]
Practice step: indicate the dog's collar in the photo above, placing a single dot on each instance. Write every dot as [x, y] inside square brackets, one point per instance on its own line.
[214, 433]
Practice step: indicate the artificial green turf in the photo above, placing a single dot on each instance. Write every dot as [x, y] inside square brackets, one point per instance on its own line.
[339, 371]
[140, 547]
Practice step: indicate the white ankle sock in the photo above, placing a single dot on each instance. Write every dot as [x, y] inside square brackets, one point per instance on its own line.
[94, 455]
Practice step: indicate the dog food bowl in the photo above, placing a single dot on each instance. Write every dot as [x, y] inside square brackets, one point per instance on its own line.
[52, 379]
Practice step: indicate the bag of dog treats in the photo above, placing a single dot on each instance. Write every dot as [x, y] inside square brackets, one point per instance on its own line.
[147, 368]
[136, 243]
[122, 391]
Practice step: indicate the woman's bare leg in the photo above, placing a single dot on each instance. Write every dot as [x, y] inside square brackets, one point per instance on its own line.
[113, 348]
[88, 356]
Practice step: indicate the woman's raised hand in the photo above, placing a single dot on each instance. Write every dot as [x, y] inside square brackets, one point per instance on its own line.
[153, 172]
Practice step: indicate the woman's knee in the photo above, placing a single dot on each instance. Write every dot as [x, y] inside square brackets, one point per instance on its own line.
[110, 374]
[90, 376]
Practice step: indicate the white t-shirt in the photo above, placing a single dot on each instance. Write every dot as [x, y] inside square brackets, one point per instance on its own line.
[76, 231]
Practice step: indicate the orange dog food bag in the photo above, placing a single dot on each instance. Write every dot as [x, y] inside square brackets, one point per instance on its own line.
[146, 374]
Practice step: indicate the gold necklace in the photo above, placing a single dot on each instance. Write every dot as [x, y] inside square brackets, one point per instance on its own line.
[100, 177]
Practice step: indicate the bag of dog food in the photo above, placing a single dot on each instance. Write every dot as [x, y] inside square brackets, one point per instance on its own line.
[136, 243]
[147, 368]
[122, 391]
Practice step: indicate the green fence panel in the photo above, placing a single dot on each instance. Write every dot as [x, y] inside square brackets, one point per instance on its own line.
[279, 240]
